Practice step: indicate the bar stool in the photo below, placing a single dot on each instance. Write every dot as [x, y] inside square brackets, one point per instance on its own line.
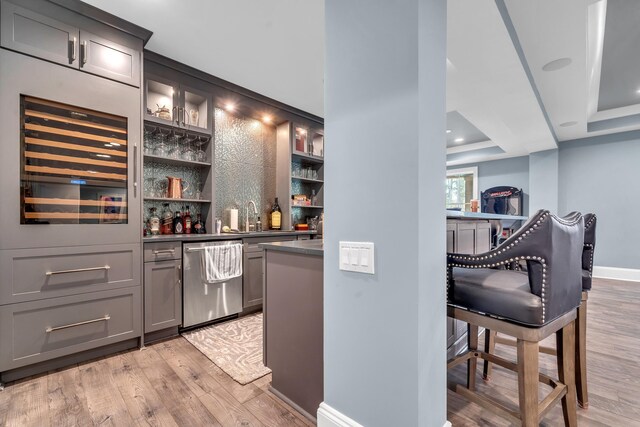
[529, 307]
[491, 337]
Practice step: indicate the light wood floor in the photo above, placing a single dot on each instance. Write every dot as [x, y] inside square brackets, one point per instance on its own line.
[613, 366]
[171, 383]
[167, 384]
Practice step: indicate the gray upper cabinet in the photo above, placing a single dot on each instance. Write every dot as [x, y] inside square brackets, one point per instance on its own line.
[173, 98]
[105, 58]
[29, 32]
[26, 31]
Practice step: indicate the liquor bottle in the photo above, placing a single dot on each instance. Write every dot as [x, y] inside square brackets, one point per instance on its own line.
[198, 226]
[258, 225]
[186, 221]
[177, 223]
[276, 216]
[154, 222]
[166, 226]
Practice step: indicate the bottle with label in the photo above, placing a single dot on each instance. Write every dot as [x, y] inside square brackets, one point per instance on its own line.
[166, 226]
[197, 225]
[276, 216]
[177, 223]
[258, 225]
[186, 221]
[154, 222]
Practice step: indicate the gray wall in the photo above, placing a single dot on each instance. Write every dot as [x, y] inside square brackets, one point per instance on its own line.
[543, 180]
[384, 357]
[602, 175]
[513, 171]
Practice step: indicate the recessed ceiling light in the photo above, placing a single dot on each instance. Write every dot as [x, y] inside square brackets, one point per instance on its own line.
[458, 140]
[556, 64]
[448, 130]
[230, 107]
[567, 124]
[638, 91]
[266, 119]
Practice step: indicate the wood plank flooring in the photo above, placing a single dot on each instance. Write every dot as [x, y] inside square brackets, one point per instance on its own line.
[613, 366]
[169, 383]
[172, 384]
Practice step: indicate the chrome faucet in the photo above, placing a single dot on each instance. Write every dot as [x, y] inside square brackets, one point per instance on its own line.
[255, 212]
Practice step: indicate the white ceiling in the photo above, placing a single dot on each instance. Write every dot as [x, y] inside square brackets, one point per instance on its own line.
[273, 47]
[496, 51]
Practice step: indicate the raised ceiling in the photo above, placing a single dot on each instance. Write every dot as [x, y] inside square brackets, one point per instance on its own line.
[461, 131]
[589, 49]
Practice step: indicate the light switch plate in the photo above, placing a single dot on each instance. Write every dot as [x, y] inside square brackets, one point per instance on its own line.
[357, 256]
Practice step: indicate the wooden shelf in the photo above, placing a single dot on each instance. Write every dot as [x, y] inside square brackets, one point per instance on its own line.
[307, 207]
[307, 158]
[155, 122]
[167, 199]
[177, 162]
[315, 181]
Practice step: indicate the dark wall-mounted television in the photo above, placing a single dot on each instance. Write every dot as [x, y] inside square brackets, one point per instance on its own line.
[502, 200]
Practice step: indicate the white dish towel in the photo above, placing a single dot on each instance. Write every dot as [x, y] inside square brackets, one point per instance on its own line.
[221, 262]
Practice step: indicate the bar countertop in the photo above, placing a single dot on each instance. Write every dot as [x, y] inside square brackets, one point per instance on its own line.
[222, 236]
[482, 215]
[307, 247]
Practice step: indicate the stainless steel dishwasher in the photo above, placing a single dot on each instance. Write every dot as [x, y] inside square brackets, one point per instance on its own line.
[202, 301]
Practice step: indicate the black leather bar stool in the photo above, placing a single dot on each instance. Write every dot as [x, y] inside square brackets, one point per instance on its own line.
[491, 339]
[529, 307]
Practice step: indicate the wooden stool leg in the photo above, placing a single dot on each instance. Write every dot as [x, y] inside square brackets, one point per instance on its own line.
[472, 363]
[528, 382]
[581, 355]
[565, 341]
[489, 347]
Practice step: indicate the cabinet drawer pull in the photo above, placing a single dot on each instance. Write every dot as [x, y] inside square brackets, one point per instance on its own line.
[72, 325]
[78, 270]
[83, 53]
[164, 251]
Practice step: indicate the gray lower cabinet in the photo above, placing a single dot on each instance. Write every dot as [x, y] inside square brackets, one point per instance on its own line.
[37, 331]
[48, 37]
[162, 295]
[467, 237]
[253, 269]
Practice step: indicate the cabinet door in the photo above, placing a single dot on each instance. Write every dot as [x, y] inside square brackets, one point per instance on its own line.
[252, 279]
[451, 237]
[196, 111]
[28, 32]
[105, 58]
[465, 240]
[483, 237]
[161, 98]
[162, 295]
[87, 185]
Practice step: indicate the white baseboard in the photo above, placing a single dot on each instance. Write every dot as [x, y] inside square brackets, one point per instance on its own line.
[329, 417]
[629, 274]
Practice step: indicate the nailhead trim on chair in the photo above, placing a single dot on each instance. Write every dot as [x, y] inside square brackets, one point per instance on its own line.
[509, 261]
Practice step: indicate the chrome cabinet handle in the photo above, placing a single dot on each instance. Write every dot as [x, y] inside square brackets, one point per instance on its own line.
[77, 270]
[83, 52]
[182, 111]
[72, 325]
[164, 251]
[177, 115]
[135, 170]
[73, 49]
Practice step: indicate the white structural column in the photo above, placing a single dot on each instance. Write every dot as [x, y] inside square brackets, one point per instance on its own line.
[543, 181]
[384, 336]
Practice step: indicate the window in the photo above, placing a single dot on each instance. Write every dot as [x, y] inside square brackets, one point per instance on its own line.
[462, 186]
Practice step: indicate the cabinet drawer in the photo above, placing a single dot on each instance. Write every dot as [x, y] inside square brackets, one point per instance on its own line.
[36, 331]
[162, 251]
[32, 274]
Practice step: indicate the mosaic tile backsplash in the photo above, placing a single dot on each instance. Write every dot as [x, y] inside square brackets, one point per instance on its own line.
[245, 167]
